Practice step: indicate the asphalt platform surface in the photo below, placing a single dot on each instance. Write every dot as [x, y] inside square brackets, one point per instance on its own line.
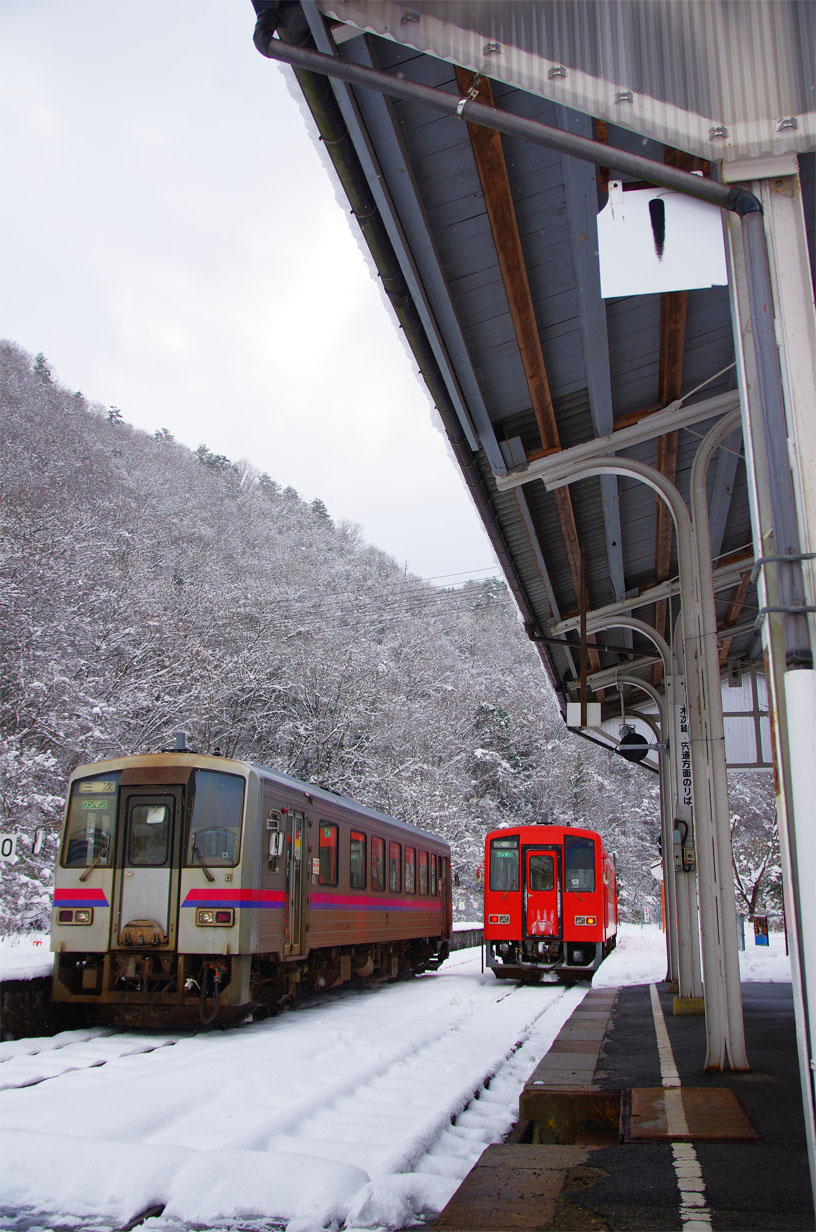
[735, 1160]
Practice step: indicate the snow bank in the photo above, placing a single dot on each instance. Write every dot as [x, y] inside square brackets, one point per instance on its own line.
[25, 956]
[93, 1177]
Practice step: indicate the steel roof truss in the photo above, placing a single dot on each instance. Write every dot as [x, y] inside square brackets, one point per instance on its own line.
[394, 189]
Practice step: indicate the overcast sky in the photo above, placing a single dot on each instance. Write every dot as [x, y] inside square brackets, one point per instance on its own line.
[173, 243]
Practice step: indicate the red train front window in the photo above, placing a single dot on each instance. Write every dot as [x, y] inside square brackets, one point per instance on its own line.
[579, 864]
[504, 864]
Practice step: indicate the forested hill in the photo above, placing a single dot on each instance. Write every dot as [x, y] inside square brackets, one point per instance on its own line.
[148, 589]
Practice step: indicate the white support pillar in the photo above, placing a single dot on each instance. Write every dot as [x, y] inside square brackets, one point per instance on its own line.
[795, 323]
[682, 909]
[688, 919]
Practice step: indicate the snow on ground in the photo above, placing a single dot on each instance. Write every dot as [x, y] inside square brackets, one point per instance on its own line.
[362, 1109]
[25, 956]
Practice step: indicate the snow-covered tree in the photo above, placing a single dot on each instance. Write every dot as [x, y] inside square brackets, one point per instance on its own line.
[146, 589]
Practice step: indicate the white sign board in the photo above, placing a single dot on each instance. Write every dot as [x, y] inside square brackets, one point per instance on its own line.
[652, 240]
[593, 714]
[8, 846]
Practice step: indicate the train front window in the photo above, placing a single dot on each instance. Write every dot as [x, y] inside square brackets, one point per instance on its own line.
[542, 873]
[148, 835]
[579, 864]
[504, 864]
[215, 818]
[91, 821]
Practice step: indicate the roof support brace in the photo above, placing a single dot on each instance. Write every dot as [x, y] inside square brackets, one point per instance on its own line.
[725, 1033]
[725, 578]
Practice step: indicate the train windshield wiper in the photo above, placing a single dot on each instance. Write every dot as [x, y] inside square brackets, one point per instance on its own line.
[202, 862]
[96, 860]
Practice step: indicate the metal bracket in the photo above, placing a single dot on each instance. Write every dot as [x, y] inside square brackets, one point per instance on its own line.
[789, 559]
[470, 97]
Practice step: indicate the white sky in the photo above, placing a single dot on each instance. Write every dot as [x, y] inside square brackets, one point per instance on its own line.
[172, 242]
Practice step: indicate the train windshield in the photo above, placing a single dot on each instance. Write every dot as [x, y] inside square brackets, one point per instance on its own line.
[215, 818]
[504, 864]
[91, 821]
[579, 862]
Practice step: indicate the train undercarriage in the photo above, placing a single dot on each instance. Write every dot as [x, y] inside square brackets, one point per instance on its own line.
[155, 989]
[530, 961]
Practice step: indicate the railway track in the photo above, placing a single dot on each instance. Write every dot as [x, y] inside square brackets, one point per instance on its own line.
[396, 1089]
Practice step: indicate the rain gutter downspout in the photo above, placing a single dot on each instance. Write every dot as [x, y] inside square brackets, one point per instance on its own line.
[787, 548]
[287, 20]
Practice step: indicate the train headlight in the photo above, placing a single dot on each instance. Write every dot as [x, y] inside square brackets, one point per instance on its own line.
[209, 917]
[498, 919]
[75, 915]
[589, 920]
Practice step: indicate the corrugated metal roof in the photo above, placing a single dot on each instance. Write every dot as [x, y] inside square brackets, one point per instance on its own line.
[605, 364]
[676, 71]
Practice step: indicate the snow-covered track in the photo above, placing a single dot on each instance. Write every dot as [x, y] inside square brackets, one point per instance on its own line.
[360, 1106]
[27, 1062]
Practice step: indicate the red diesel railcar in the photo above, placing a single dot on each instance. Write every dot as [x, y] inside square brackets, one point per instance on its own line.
[550, 902]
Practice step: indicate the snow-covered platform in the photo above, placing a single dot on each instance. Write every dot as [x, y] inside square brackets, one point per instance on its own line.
[616, 1132]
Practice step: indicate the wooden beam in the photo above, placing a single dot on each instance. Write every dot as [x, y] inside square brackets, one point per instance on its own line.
[732, 615]
[501, 211]
[490, 162]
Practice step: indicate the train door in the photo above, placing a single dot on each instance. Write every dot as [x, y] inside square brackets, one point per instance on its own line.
[147, 894]
[294, 927]
[542, 892]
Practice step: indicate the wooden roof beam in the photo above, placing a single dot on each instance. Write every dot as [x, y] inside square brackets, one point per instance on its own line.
[489, 155]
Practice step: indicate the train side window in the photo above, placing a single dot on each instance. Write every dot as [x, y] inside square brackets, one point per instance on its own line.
[377, 863]
[579, 864]
[327, 852]
[434, 877]
[504, 864]
[394, 871]
[91, 821]
[410, 870]
[357, 860]
[542, 873]
[423, 872]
